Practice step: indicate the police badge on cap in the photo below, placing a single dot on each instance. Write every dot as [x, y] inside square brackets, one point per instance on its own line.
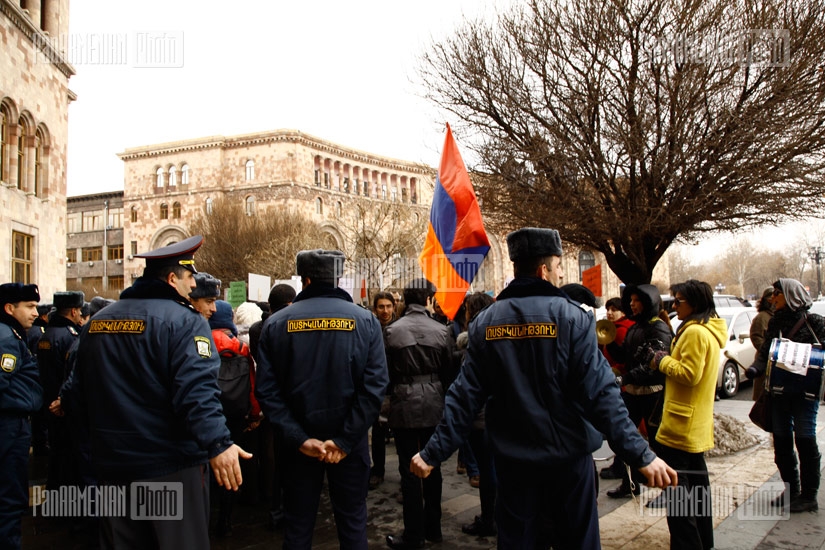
[177, 254]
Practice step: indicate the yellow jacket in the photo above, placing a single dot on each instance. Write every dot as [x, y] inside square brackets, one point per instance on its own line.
[690, 388]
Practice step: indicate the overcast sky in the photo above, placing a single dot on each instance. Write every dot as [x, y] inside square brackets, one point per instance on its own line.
[342, 71]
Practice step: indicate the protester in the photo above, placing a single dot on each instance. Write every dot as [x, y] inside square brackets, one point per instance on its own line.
[383, 306]
[757, 333]
[794, 401]
[686, 430]
[419, 357]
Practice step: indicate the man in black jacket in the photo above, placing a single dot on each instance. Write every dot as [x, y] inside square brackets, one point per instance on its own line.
[419, 357]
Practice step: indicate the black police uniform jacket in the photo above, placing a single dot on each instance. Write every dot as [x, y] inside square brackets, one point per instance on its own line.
[322, 372]
[549, 391]
[20, 391]
[52, 353]
[146, 379]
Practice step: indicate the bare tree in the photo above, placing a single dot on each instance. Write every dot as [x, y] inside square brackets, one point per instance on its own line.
[265, 243]
[382, 241]
[629, 124]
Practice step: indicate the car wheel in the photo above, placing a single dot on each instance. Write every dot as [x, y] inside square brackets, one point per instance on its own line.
[730, 381]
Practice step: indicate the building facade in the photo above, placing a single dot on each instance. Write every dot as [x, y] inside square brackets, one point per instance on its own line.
[94, 244]
[168, 185]
[34, 105]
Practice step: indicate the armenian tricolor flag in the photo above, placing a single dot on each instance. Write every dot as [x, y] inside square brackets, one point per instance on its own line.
[456, 241]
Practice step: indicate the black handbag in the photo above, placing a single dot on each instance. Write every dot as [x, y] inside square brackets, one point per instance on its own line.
[761, 412]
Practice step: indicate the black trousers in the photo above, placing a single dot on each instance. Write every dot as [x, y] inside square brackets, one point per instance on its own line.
[689, 511]
[348, 481]
[487, 476]
[191, 531]
[422, 497]
[549, 505]
[15, 437]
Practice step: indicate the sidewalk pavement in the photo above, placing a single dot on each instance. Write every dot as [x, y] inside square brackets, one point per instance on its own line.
[741, 484]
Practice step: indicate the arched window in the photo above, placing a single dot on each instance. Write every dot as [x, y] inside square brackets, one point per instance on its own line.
[184, 174]
[249, 205]
[338, 209]
[250, 170]
[586, 261]
[5, 124]
[38, 162]
[176, 210]
[173, 176]
[164, 211]
[133, 214]
[22, 153]
[319, 206]
[384, 191]
[159, 179]
[209, 204]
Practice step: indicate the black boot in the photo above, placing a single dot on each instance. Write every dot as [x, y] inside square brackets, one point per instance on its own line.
[785, 459]
[809, 464]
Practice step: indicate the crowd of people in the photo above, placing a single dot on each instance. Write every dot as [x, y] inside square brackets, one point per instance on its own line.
[161, 387]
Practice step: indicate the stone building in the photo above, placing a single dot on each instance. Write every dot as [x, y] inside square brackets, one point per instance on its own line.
[94, 244]
[34, 104]
[168, 185]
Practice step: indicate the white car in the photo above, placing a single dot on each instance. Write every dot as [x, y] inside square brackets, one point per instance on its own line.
[738, 353]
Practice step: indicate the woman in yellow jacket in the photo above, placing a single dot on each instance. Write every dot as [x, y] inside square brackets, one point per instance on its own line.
[686, 430]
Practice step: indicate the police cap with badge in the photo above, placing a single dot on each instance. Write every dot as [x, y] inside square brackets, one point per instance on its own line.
[68, 300]
[533, 242]
[178, 254]
[12, 293]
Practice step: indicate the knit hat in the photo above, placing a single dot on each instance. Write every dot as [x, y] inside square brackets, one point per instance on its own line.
[533, 242]
[223, 317]
[207, 286]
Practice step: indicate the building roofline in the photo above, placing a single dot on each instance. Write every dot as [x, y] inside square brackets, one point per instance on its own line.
[95, 196]
[40, 40]
[282, 135]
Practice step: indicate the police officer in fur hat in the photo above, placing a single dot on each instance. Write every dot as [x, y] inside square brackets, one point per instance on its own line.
[534, 360]
[323, 336]
[206, 292]
[146, 382]
[20, 396]
[52, 352]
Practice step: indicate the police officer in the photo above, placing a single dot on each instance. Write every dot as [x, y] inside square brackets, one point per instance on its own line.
[322, 375]
[20, 396]
[534, 355]
[146, 380]
[52, 353]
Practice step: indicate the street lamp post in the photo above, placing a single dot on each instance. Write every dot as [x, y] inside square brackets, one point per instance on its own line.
[816, 256]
